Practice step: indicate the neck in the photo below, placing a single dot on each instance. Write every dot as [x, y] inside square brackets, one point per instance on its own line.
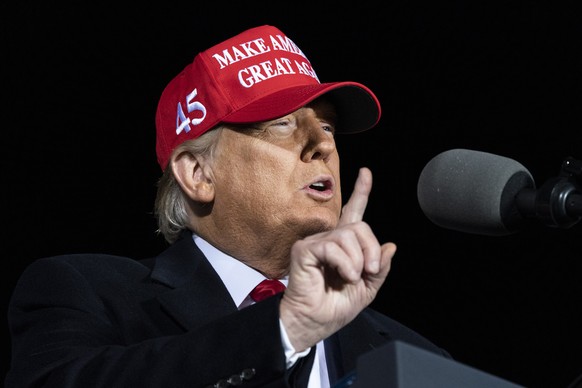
[269, 256]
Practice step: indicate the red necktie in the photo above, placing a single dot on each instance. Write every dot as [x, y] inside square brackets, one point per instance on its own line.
[266, 288]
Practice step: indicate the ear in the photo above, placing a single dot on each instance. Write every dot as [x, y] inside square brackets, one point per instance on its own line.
[193, 176]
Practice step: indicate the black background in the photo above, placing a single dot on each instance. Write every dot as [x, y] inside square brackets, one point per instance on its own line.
[79, 168]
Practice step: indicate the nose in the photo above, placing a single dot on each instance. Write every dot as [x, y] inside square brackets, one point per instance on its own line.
[319, 143]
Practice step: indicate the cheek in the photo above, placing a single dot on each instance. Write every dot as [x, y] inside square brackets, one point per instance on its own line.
[270, 180]
[256, 177]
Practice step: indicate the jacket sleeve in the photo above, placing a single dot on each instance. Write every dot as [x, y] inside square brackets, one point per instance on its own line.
[64, 335]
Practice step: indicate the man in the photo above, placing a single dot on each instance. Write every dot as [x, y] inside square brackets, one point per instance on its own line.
[250, 191]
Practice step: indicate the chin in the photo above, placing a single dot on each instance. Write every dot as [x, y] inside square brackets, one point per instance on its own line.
[311, 220]
[318, 225]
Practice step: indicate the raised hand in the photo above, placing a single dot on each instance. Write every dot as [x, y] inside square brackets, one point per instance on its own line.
[335, 274]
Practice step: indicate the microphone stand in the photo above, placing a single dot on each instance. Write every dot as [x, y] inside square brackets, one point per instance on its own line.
[558, 202]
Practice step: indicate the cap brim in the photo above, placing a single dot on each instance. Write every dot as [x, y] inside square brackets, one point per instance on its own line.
[358, 109]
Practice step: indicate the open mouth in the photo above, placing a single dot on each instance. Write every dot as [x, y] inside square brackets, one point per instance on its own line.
[320, 186]
[323, 186]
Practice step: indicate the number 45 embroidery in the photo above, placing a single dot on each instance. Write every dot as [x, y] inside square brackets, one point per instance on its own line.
[183, 122]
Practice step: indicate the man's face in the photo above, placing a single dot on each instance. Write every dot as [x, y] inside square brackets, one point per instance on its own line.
[280, 176]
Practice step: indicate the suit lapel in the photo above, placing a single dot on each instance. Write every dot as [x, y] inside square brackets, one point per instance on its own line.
[345, 347]
[196, 294]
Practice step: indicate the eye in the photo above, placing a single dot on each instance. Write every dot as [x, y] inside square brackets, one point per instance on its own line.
[283, 126]
[281, 123]
[328, 127]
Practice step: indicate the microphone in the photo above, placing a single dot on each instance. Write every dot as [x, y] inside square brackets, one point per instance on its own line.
[477, 192]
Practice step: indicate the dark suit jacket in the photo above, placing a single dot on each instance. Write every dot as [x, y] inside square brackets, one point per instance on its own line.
[94, 320]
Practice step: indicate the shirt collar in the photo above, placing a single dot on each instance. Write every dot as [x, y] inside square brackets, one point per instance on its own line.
[239, 278]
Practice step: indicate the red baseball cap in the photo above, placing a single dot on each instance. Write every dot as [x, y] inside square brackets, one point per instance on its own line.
[257, 75]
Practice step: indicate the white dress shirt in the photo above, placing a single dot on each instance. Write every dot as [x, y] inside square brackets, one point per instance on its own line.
[240, 280]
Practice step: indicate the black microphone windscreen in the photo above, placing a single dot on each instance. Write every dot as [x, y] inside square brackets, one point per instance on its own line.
[473, 191]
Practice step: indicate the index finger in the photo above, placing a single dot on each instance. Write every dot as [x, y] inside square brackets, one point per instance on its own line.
[353, 210]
